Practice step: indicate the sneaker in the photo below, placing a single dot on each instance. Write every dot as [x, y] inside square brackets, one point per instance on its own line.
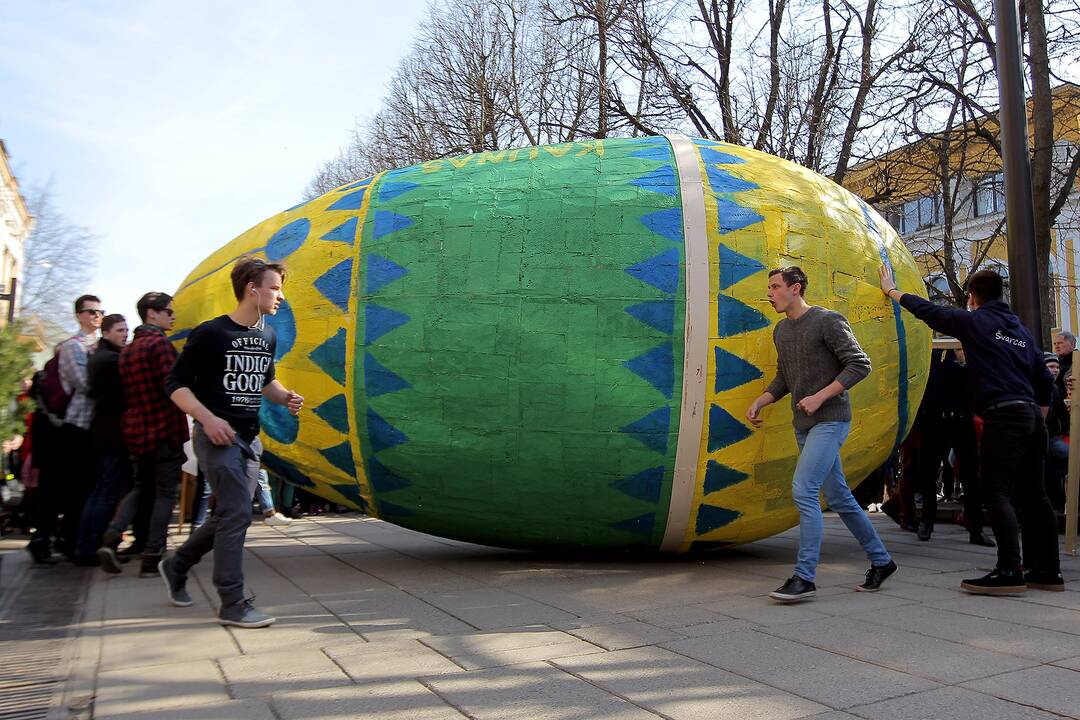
[107, 555]
[979, 538]
[1044, 581]
[149, 565]
[876, 575]
[794, 590]
[175, 585]
[244, 615]
[924, 531]
[277, 519]
[41, 552]
[997, 582]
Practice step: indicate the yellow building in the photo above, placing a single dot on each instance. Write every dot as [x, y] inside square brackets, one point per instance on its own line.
[907, 186]
[15, 223]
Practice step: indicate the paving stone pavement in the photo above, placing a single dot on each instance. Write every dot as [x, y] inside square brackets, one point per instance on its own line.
[379, 622]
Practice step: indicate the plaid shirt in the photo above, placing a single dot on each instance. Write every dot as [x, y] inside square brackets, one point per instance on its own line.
[150, 417]
[74, 353]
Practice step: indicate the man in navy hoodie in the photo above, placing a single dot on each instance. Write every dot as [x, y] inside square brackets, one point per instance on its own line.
[1012, 395]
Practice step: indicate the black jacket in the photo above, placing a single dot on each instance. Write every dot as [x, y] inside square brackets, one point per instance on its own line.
[1002, 358]
[103, 375]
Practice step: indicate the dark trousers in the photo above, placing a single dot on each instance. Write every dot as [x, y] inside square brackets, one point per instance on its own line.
[1012, 452]
[1057, 467]
[113, 482]
[67, 477]
[232, 477]
[938, 435]
[157, 473]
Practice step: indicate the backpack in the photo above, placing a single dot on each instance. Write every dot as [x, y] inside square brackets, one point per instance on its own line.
[50, 394]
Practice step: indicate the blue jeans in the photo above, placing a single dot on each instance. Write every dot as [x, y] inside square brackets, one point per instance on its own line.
[113, 482]
[263, 495]
[819, 469]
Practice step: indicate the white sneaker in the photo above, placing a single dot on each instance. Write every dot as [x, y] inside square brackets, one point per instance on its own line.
[277, 519]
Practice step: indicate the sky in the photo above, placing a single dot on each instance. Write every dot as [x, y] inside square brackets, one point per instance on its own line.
[169, 128]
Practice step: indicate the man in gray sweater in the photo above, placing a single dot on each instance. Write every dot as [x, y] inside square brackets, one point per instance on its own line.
[818, 360]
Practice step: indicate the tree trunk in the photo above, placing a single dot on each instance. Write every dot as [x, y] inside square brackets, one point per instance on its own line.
[1042, 152]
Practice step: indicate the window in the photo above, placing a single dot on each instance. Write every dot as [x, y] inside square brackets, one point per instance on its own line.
[938, 290]
[989, 194]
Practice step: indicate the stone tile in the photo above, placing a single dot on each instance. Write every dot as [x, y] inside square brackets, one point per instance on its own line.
[716, 628]
[677, 617]
[683, 689]
[953, 703]
[624, 635]
[492, 608]
[324, 574]
[985, 633]
[833, 715]
[299, 669]
[394, 700]
[392, 612]
[485, 650]
[1016, 611]
[1070, 599]
[833, 680]
[246, 709]
[160, 688]
[843, 601]
[1071, 663]
[312, 632]
[534, 691]
[902, 650]
[900, 587]
[163, 640]
[1048, 688]
[383, 661]
[765, 611]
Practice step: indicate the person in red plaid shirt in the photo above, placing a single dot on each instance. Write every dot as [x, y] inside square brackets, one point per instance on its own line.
[154, 430]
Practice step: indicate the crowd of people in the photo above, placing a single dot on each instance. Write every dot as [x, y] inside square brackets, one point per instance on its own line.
[106, 443]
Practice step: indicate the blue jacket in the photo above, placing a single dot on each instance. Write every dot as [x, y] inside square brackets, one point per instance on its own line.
[1002, 357]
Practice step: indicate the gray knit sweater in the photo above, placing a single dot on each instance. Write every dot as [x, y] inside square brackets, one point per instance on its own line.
[812, 351]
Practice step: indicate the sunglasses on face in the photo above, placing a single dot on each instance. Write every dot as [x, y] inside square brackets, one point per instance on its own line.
[92, 312]
[167, 311]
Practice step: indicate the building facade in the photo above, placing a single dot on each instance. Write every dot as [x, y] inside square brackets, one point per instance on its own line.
[15, 224]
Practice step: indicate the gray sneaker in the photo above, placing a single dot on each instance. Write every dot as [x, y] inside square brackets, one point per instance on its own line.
[174, 584]
[243, 614]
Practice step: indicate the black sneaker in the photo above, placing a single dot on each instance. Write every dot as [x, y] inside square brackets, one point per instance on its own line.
[979, 538]
[149, 565]
[794, 590]
[41, 552]
[997, 582]
[1044, 581]
[244, 615]
[175, 585]
[110, 563]
[875, 576]
[924, 531]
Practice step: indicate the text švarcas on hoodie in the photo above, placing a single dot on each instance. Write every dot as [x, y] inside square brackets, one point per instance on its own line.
[1003, 359]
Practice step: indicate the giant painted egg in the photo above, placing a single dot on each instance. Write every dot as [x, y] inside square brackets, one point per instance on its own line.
[555, 346]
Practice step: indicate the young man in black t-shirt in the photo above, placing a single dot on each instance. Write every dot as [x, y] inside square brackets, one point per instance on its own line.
[220, 378]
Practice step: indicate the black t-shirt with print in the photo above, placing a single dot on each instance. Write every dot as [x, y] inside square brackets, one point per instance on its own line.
[227, 365]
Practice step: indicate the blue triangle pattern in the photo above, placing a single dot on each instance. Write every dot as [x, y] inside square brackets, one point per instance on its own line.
[712, 155]
[735, 318]
[718, 477]
[345, 232]
[284, 324]
[659, 314]
[723, 181]
[733, 216]
[380, 380]
[659, 152]
[334, 284]
[657, 367]
[286, 240]
[351, 492]
[330, 357]
[661, 180]
[711, 518]
[640, 525]
[390, 190]
[278, 422]
[643, 486]
[379, 320]
[732, 371]
[387, 222]
[662, 271]
[335, 412]
[735, 267]
[666, 222]
[382, 434]
[381, 272]
[383, 479]
[724, 429]
[651, 430]
[352, 201]
[285, 470]
[341, 457]
[359, 183]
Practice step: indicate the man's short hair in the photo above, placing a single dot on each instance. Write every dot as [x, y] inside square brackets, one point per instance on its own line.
[79, 301]
[152, 301]
[1067, 337]
[250, 269]
[109, 321]
[986, 286]
[792, 274]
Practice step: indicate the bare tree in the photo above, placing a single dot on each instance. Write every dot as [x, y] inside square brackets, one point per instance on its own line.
[59, 259]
